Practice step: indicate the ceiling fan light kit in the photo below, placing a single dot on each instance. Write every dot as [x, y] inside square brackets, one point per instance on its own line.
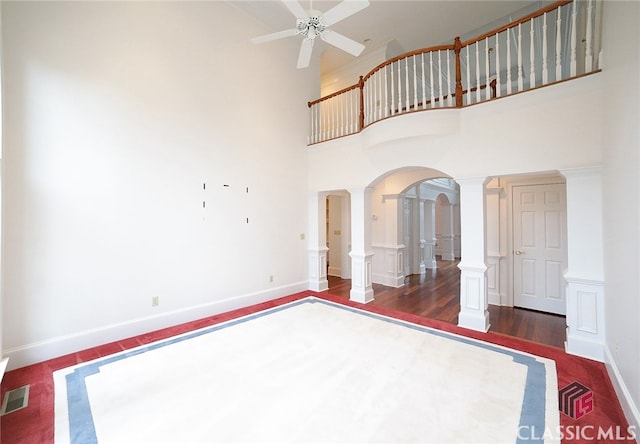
[311, 24]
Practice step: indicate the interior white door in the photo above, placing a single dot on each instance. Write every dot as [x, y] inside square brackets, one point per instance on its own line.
[540, 247]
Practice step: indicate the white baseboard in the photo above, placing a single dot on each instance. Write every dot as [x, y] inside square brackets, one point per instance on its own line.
[389, 281]
[41, 351]
[579, 346]
[629, 407]
[3, 367]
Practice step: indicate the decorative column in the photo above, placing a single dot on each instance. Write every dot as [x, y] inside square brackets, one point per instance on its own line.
[361, 253]
[417, 237]
[473, 280]
[394, 248]
[318, 242]
[585, 269]
[430, 234]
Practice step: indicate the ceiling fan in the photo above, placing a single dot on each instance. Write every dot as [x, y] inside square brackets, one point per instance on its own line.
[311, 24]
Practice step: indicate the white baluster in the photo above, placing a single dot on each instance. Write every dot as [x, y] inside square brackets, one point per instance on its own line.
[468, 77]
[433, 97]
[379, 103]
[321, 121]
[370, 108]
[368, 102]
[497, 66]
[478, 91]
[520, 73]
[338, 115]
[348, 112]
[487, 87]
[532, 58]
[574, 40]
[406, 82]
[449, 96]
[342, 105]
[424, 86]
[354, 110]
[379, 74]
[415, 84]
[508, 61]
[375, 99]
[310, 138]
[440, 94]
[559, 46]
[393, 88]
[332, 117]
[588, 58]
[386, 93]
[399, 88]
[545, 66]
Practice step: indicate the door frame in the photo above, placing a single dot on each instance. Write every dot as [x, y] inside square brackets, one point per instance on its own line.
[515, 181]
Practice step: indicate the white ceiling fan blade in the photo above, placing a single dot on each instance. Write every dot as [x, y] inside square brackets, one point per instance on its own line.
[296, 9]
[275, 36]
[345, 43]
[343, 10]
[305, 53]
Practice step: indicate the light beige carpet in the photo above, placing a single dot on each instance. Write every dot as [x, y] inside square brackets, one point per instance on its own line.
[308, 371]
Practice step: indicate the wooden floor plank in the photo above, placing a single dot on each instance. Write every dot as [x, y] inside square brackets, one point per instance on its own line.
[436, 294]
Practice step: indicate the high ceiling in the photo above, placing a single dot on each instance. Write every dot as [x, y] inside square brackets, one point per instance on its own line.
[412, 24]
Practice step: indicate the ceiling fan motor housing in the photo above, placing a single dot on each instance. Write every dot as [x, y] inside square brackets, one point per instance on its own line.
[312, 26]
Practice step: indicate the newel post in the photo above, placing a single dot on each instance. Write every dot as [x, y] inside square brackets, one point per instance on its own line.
[457, 47]
[361, 115]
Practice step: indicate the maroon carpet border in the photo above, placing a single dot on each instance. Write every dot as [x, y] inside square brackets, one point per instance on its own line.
[35, 423]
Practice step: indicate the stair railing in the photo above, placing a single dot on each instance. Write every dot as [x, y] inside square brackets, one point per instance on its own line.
[553, 44]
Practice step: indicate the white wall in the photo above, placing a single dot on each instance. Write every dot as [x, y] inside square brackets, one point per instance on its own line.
[116, 114]
[528, 132]
[621, 203]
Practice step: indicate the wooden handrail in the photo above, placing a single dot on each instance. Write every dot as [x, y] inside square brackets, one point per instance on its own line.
[513, 24]
[406, 55]
[454, 98]
[332, 95]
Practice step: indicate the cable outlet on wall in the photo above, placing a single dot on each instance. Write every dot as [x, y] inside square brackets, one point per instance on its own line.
[155, 301]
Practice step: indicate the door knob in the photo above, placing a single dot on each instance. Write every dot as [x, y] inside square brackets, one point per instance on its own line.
[518, 252]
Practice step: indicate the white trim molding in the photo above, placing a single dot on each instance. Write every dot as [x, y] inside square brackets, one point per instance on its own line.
[494, 292]
[585, 318]
[361, 277]
[318, 269]
[473, 297]
[630, 409]
[388, 260]
[52, 348]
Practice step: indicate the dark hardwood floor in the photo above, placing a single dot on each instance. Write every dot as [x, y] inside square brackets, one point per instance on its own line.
[436, 295]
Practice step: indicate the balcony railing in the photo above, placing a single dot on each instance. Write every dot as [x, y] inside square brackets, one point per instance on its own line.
[556, 43]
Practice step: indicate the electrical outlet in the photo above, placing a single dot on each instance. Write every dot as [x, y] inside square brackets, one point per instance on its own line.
[301, 236]
[155, 301]
[271, 278]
